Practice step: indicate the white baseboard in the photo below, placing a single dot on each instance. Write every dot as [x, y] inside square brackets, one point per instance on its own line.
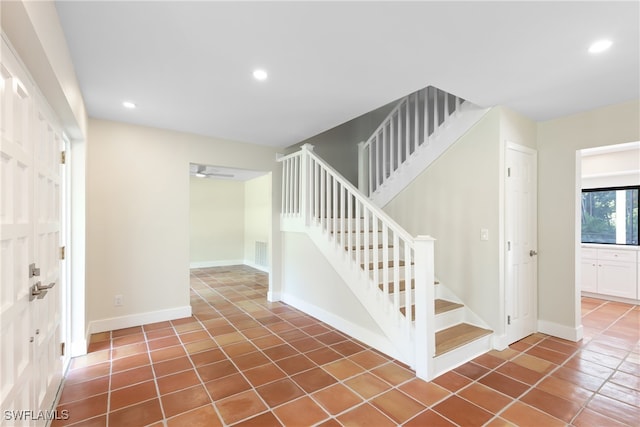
[222, 263]
[227, 263]
[251, 264]
[379, 342]
[500, 342]
[611, 298]
[79, 348]
[560, 331]
[138, 319]
[274, 296]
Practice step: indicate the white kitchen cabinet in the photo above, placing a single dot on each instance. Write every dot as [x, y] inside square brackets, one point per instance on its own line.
[610, 272]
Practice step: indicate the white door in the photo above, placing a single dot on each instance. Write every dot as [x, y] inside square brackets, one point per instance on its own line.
[521, 242]
[30, 362]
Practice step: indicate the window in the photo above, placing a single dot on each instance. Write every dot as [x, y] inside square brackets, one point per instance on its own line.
[610, 215]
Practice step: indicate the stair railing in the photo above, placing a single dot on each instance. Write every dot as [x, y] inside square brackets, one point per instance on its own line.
[413, 122]
[316, 195]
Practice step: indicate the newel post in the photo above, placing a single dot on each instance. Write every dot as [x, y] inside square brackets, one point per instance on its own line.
[425, 338]
[305, 183]
[363, 173]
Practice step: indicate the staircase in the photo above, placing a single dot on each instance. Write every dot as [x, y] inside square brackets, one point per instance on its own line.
[419, 129]
[386, 268]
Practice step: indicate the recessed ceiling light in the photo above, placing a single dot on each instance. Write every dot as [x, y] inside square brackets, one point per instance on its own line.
[260, 74]
[600, 46]
[128, 104]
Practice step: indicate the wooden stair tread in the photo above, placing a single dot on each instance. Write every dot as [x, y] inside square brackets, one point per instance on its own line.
[442, 306]
[457, 336]
[401, 285]
[362, 248]
[390, 264]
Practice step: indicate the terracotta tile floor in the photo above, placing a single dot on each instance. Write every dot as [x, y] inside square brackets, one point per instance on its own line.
[241, 360]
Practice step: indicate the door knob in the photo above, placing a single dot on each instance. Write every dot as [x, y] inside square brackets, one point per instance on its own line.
[533, 253]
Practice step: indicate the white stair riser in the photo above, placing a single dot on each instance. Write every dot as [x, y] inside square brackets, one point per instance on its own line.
[390, 274]
[350, 222]
[461, 355]
[379, 253]
[449, 318]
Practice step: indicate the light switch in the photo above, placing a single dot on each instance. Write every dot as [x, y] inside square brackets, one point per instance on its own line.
[484, 234]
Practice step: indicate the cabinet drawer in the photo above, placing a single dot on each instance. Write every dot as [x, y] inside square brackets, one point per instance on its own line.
[613, 255]
[589, 253]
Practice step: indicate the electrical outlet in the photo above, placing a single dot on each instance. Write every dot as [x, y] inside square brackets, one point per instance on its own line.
[118, 300]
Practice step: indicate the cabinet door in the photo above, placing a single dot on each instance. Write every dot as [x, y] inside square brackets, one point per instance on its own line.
[589, 275]
[617, 279]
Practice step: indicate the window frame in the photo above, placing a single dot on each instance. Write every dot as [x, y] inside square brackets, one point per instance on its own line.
[614, 188]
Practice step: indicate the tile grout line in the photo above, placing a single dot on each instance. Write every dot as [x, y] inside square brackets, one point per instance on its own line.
[311, 395]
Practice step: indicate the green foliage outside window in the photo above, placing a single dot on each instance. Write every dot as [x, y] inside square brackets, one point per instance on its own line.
[600, 215]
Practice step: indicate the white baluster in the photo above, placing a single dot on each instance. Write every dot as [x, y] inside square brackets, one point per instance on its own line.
[399, 137]
[362, 172]
[385, 263]
[408, 127]
[426, 115]
[392, 144]
[416, 120]
[435, 111]
[358, 236]
[446, 107]
[396, 275]
[408, 277]
[378, 157]
[294, 185]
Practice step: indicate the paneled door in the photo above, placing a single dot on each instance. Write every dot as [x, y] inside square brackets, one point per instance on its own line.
[521, 278]
[30, 206]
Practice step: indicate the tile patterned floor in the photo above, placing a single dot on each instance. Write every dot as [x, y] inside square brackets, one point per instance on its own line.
[245, 362]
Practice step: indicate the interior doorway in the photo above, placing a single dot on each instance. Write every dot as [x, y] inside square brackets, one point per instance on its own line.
[230, 217]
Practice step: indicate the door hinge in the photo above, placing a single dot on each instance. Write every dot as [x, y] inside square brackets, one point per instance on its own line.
[63, 157]
[508, 172]
[61, 349]
[508, 246]
[508, 320]
[62, 252]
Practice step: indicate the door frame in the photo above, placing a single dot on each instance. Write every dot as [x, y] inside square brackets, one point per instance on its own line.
[502, 340]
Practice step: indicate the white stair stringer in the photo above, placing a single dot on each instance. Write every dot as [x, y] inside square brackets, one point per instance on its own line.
[426, 153]
[367, 292]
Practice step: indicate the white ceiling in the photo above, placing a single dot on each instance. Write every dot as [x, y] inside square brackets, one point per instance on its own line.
[188, 65]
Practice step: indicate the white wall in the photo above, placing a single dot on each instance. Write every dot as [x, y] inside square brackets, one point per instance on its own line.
[257, 216]
[558, 187]
[216, 221]
[339, 145]
[138, 216]
[611, 169]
